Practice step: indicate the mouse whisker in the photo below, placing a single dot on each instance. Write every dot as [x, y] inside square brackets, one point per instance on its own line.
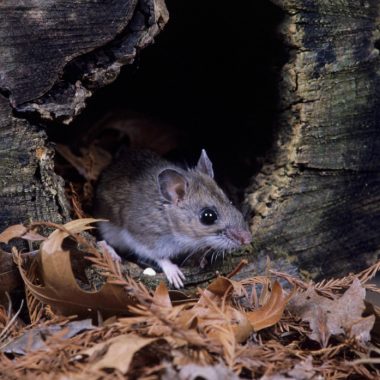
[205, 254]
[188, 257]
[214, 256]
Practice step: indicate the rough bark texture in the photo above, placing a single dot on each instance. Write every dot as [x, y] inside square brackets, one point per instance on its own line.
[53, 55]
[39, 73]
[318, 199]
[29, 188]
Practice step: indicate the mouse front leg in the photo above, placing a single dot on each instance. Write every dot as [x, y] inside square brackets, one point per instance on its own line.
[105, 247]
[172, 272]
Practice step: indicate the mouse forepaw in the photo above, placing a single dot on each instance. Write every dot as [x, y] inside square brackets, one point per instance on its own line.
[105, 247]
[172, 272]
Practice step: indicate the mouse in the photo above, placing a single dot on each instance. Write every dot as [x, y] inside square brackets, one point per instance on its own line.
[159, 210]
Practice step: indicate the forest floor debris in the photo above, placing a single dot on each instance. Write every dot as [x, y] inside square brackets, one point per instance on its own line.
[269, 327]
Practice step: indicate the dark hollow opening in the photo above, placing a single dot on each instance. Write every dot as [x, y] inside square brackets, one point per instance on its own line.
[212, 76]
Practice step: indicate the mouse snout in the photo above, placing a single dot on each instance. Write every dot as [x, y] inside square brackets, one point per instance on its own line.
[239, 235]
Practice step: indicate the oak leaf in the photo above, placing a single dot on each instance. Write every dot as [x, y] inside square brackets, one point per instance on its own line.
[341, 315]
[35, 339]
[60, 288]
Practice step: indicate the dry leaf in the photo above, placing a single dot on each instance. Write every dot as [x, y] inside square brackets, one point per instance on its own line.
[15, 231]
[33, 236]
[303, 370]
[35, 339]
[194, 371]
[161, 296]
[61, 290]
[241, 325]
[362, 328]
[117, 352]
[90, 163]
[9, 277]
[55, 239]
[271, 312]
[340, 316]
[221, 286]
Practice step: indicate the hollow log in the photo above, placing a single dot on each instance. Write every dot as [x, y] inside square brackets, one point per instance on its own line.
[316, 199]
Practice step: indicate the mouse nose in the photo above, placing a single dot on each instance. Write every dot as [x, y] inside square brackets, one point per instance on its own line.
[240, 236]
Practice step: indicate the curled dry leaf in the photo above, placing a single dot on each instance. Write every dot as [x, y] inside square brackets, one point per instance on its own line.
[161, 296]
[19, 231]
[339, 316]
[12, 232]
[60, 289]
[116, 352]
[271, 312]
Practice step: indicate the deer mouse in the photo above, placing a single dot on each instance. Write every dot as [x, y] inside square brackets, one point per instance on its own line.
[159, 210]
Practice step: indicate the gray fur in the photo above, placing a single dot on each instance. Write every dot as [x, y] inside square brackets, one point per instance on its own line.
[136, 195]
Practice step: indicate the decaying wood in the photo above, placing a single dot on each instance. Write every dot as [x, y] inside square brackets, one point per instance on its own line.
[53, 56]
[29, 187]
[318, 198]
[38, 72]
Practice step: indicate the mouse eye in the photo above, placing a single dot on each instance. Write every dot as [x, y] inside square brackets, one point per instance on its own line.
[208, 216]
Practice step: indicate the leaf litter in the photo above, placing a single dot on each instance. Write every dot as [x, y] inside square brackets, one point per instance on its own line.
[264, 327]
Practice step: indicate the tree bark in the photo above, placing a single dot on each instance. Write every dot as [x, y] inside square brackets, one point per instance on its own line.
[317, 199]
[53, 55]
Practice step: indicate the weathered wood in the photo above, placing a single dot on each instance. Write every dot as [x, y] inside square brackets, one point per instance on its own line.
[318, 199]
[37, 40]
[54, 54]
[30, 190]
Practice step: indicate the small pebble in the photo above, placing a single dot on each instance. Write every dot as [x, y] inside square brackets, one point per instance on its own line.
[149, 272]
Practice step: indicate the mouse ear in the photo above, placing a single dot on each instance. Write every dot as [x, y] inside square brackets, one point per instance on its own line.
[172, 185]
[204, 165]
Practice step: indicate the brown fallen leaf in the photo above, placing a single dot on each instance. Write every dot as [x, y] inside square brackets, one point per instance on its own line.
[116, 352]
[19, 231]
[33, 236]
[303, 370]
[9, 276]
[339, 316]
[60, 289]
[90, 163]
[12, 232]
[271, 312]
[194, 371]
[35, 339]
[161, 296]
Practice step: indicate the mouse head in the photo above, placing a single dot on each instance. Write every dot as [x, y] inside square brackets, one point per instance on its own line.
[199, 213]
